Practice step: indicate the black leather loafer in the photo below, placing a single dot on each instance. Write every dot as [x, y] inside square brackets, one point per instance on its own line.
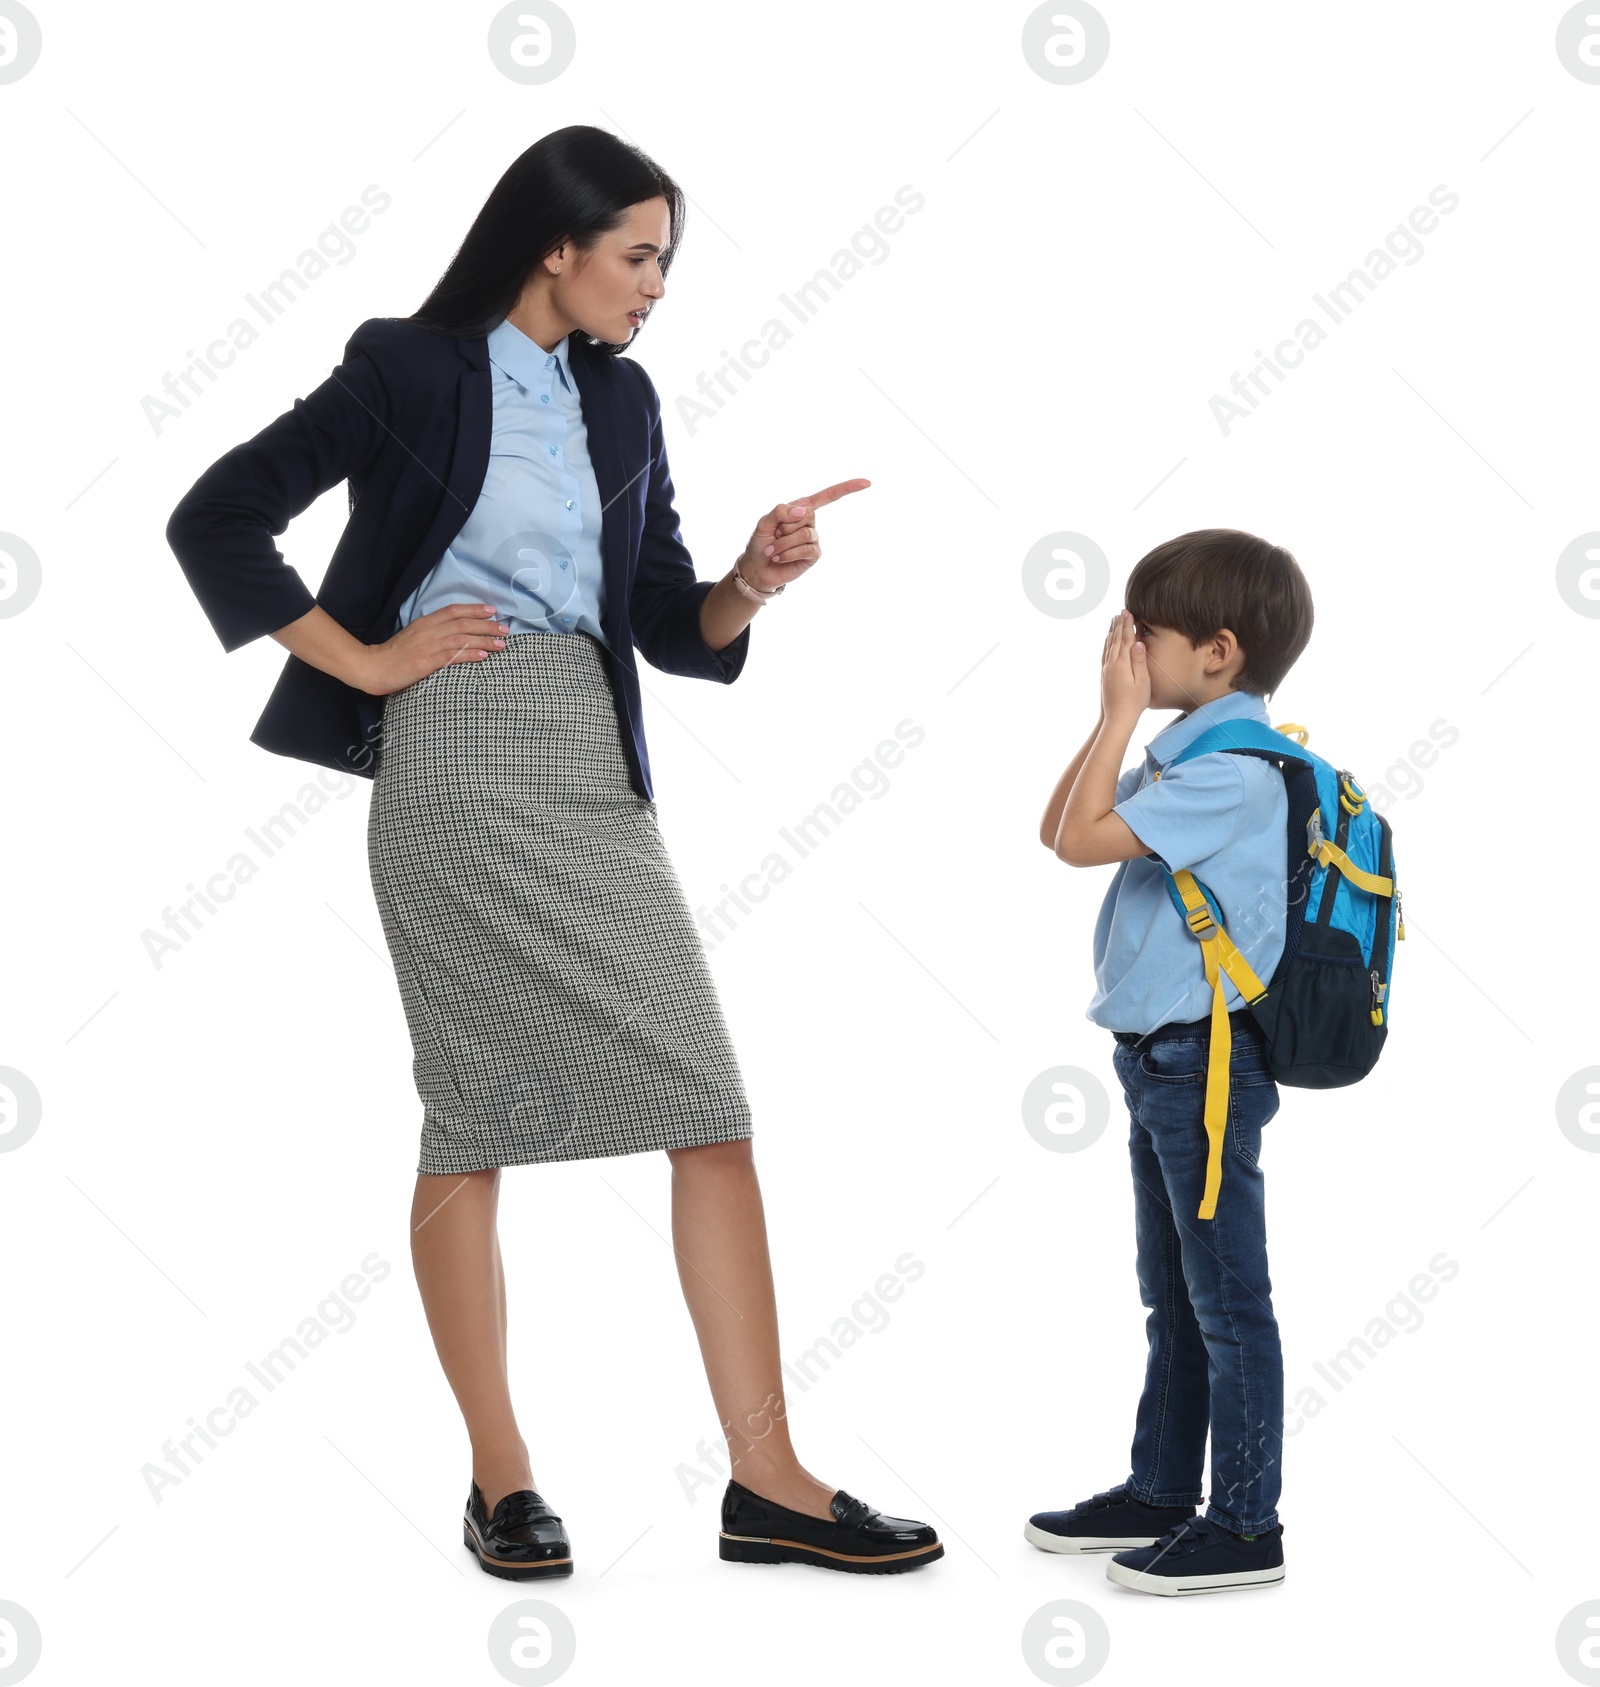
[523, 1538]
[859, 1539]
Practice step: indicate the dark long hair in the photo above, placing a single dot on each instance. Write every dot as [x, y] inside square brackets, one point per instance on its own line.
[573, 184]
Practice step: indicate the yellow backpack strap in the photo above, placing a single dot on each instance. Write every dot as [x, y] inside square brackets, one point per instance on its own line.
[1330, 854]
[1230, 957]
[1216, 1088]
[1220, 955]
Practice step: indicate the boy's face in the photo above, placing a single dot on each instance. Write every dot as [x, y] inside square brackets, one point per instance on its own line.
[1182, 675]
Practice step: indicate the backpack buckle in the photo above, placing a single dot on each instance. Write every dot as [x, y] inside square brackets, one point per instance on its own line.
[1314, 838]
[1200, 923]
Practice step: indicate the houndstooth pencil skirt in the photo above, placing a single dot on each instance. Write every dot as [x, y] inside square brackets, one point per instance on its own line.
[555, 988]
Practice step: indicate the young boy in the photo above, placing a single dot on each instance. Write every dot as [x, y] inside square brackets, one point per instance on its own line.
[1214, 620]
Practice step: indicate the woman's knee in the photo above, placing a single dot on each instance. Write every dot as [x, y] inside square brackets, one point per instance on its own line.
[713, 1156]
[443, 1182]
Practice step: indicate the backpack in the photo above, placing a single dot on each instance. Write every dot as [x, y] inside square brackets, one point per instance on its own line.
[1325, 1014]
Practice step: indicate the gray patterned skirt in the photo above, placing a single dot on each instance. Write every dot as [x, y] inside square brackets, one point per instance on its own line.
[555, 988]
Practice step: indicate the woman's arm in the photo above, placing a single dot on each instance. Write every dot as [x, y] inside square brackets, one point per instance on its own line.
[668, 598]
[459, 632]
[725, 612]
[318, 639]
[222, 529]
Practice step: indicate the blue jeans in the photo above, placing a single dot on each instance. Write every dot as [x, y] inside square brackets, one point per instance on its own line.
[1214, 1359]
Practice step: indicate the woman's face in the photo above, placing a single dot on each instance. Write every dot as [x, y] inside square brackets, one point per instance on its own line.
[605, 290]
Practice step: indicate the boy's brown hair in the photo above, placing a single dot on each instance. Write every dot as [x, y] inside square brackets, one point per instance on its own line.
[1218, 577]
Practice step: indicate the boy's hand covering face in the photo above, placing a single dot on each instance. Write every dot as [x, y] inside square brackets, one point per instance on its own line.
[1124, 676]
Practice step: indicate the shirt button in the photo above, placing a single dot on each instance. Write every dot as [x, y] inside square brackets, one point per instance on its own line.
[544, 398]
[552, 450]
[569, 503]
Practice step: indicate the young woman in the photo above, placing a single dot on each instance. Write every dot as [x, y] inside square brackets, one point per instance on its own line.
[512, 537]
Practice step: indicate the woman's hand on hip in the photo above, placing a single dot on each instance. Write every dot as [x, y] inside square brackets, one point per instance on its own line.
[784, 544]
[460, 632]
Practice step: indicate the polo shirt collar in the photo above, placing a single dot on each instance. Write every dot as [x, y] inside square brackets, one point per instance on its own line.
[524, 359]
[1179, 734]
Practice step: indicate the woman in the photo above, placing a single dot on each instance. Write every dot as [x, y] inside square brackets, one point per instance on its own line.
[512, 537]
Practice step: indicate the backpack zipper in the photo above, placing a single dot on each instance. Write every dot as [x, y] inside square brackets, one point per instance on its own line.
[1386, 910]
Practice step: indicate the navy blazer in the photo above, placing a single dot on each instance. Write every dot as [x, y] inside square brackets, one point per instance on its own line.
[406, 420]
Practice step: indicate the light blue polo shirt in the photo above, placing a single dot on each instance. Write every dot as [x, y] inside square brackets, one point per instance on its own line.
[531, 545]
[1225, 818]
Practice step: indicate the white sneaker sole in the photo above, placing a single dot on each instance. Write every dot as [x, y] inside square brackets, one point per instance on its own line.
[1046, 1542]
[1144, 1582]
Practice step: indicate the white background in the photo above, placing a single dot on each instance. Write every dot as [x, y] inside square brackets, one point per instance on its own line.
[226, 1135]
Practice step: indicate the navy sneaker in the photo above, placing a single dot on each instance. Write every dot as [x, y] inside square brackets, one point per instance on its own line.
[1110, 1522]
[1201, 1557]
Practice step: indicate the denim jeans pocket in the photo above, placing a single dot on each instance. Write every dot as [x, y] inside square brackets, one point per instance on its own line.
[1247, 1065]
[1252, 1103]
[1175, 1060]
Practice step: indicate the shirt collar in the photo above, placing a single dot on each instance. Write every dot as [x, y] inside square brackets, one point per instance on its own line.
[1179, 734]
[524, 359]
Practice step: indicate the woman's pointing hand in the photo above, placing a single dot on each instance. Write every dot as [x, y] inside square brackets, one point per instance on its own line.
[784, 544]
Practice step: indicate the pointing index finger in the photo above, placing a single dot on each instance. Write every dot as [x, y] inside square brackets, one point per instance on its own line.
[832, 494]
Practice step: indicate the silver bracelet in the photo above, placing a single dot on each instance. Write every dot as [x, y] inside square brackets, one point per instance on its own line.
[754, 592]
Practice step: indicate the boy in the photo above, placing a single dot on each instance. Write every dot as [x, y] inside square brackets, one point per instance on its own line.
[1214, 620]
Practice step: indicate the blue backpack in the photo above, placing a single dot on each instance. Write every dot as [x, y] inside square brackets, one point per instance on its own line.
[1325, 1014]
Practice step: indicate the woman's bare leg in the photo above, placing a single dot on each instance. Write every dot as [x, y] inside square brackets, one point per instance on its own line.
[455, 1251]
[719, 1233]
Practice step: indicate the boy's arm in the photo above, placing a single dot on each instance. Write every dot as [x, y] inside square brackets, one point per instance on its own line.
[1051, 824]
[1191, 813]
[1089, 834]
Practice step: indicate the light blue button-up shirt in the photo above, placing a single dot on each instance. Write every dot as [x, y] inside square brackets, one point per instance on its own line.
[1224, 817]
[531, 545]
